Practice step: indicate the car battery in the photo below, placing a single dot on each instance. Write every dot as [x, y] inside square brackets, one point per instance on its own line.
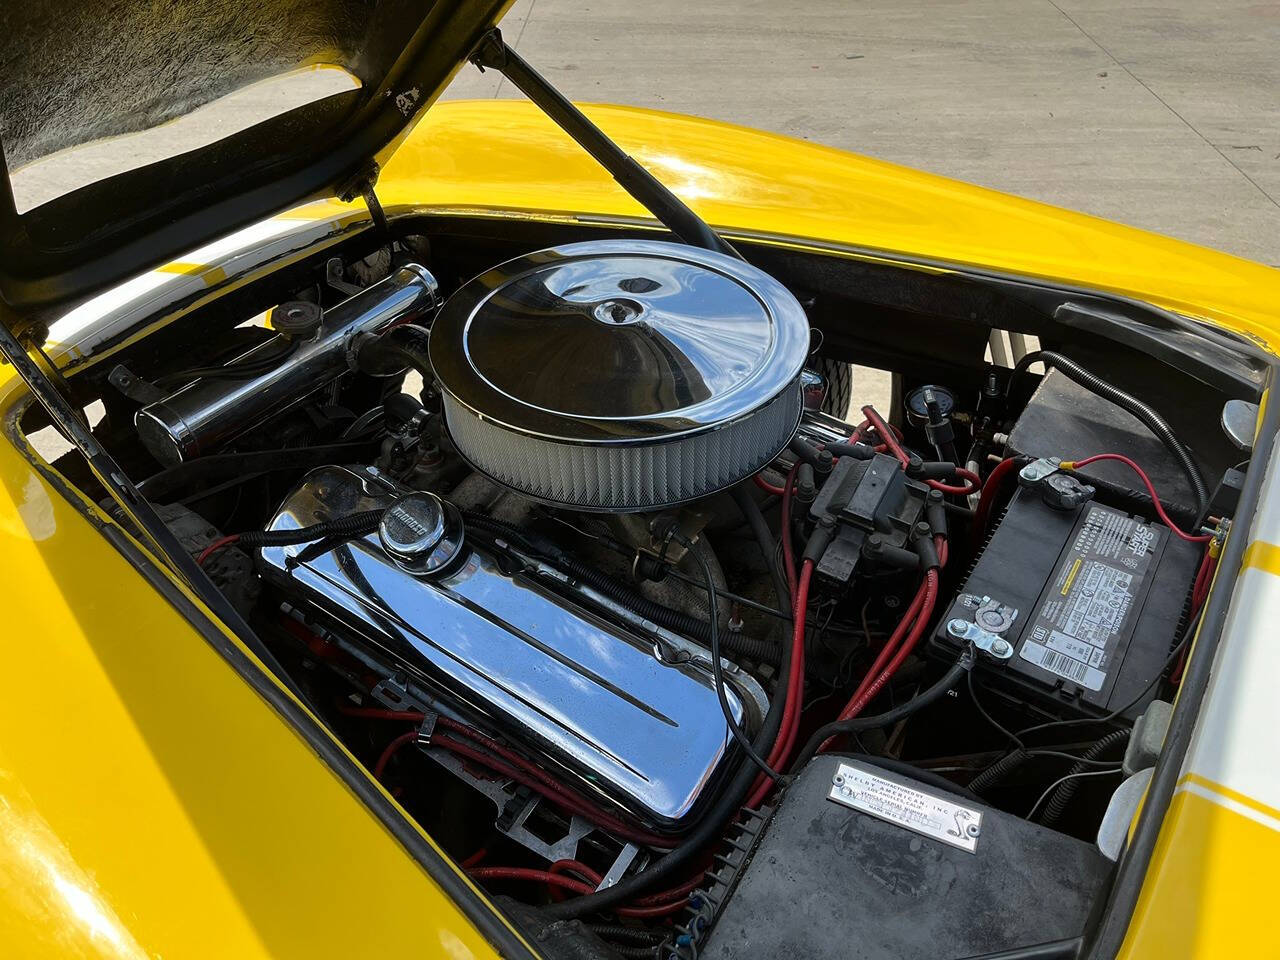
[1091, 600]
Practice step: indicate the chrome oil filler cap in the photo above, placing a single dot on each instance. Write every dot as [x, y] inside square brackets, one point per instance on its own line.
[422, 533]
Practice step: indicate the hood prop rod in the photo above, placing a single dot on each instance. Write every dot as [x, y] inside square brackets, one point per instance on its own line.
[362, 185]
[493, 53]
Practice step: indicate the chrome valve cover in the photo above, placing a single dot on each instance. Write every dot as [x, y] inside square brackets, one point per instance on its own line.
[608, 705]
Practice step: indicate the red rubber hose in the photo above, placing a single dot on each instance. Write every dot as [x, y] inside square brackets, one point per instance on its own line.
[214, 547]
[555, 879]
[890, 647]
[913, 638]
[536, 876]
[973, 483]
[766, 486]
[990, 489]
[907, 634]
[559, 795]
[404, 739]
[886, 435]
[519, 769]
[795, 690]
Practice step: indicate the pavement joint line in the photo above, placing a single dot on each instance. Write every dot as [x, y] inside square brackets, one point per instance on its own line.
[1190, 126]
[515, 44]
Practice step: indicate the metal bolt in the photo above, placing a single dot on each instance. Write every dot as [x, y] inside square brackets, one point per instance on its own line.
[973, 829]
[957, 627]
[838, 779]
[1000, 648]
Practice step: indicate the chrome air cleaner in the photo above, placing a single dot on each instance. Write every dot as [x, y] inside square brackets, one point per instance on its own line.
[620, 374]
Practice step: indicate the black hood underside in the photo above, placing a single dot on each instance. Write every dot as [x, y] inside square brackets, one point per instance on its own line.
[78, 72]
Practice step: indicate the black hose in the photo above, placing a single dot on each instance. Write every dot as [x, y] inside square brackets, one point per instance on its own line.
[393, 350]
[1149, 417]
[635, 952]
[859, 451]
[327, 534]
[352, 525]
[804, 450]
[900, 712]
[618, 931]
[999, 770]
[726, 806]
[717, 669]
[1061, 797]
[211, 470]
[763, 651]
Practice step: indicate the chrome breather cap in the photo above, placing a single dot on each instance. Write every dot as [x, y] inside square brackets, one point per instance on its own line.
[422, 533]
[620, 374]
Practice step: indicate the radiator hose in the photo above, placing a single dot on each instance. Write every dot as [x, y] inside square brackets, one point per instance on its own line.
[1126, 401]
[386, 353]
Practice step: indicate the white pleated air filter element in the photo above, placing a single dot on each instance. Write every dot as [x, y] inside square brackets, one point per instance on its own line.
[620, 375]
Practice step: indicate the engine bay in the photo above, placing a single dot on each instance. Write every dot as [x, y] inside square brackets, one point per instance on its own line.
[595, 556]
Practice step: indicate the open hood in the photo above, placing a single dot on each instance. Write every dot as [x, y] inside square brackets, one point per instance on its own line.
[78, 73]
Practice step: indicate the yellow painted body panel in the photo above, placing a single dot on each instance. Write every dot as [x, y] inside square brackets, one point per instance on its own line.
[506, 155]
[152, 805]
[1211, 889]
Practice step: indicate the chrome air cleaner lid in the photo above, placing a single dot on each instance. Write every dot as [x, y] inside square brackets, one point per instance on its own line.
[620, 374]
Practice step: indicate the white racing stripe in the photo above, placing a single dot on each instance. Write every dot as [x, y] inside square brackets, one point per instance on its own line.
[1233, 744]
[1235, 806]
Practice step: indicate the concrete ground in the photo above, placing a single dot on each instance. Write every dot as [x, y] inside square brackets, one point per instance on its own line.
[1163, 114]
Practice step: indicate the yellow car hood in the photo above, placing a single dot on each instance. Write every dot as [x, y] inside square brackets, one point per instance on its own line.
[506, 156]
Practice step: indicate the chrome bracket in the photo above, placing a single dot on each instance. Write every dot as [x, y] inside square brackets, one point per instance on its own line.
[988, 643]
[514, 807]
[621, 863]
[395, 695]
[1037, 470]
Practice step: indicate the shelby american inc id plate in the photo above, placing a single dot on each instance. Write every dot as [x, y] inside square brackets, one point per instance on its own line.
[924, 813]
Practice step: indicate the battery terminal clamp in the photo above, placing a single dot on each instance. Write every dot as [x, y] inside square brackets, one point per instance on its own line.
[1058, 489]
[991, 618]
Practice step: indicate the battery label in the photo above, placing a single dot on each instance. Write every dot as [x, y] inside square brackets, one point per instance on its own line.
[1075, 632]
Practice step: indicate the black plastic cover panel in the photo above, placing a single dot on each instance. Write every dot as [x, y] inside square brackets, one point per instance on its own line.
[829, 880]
